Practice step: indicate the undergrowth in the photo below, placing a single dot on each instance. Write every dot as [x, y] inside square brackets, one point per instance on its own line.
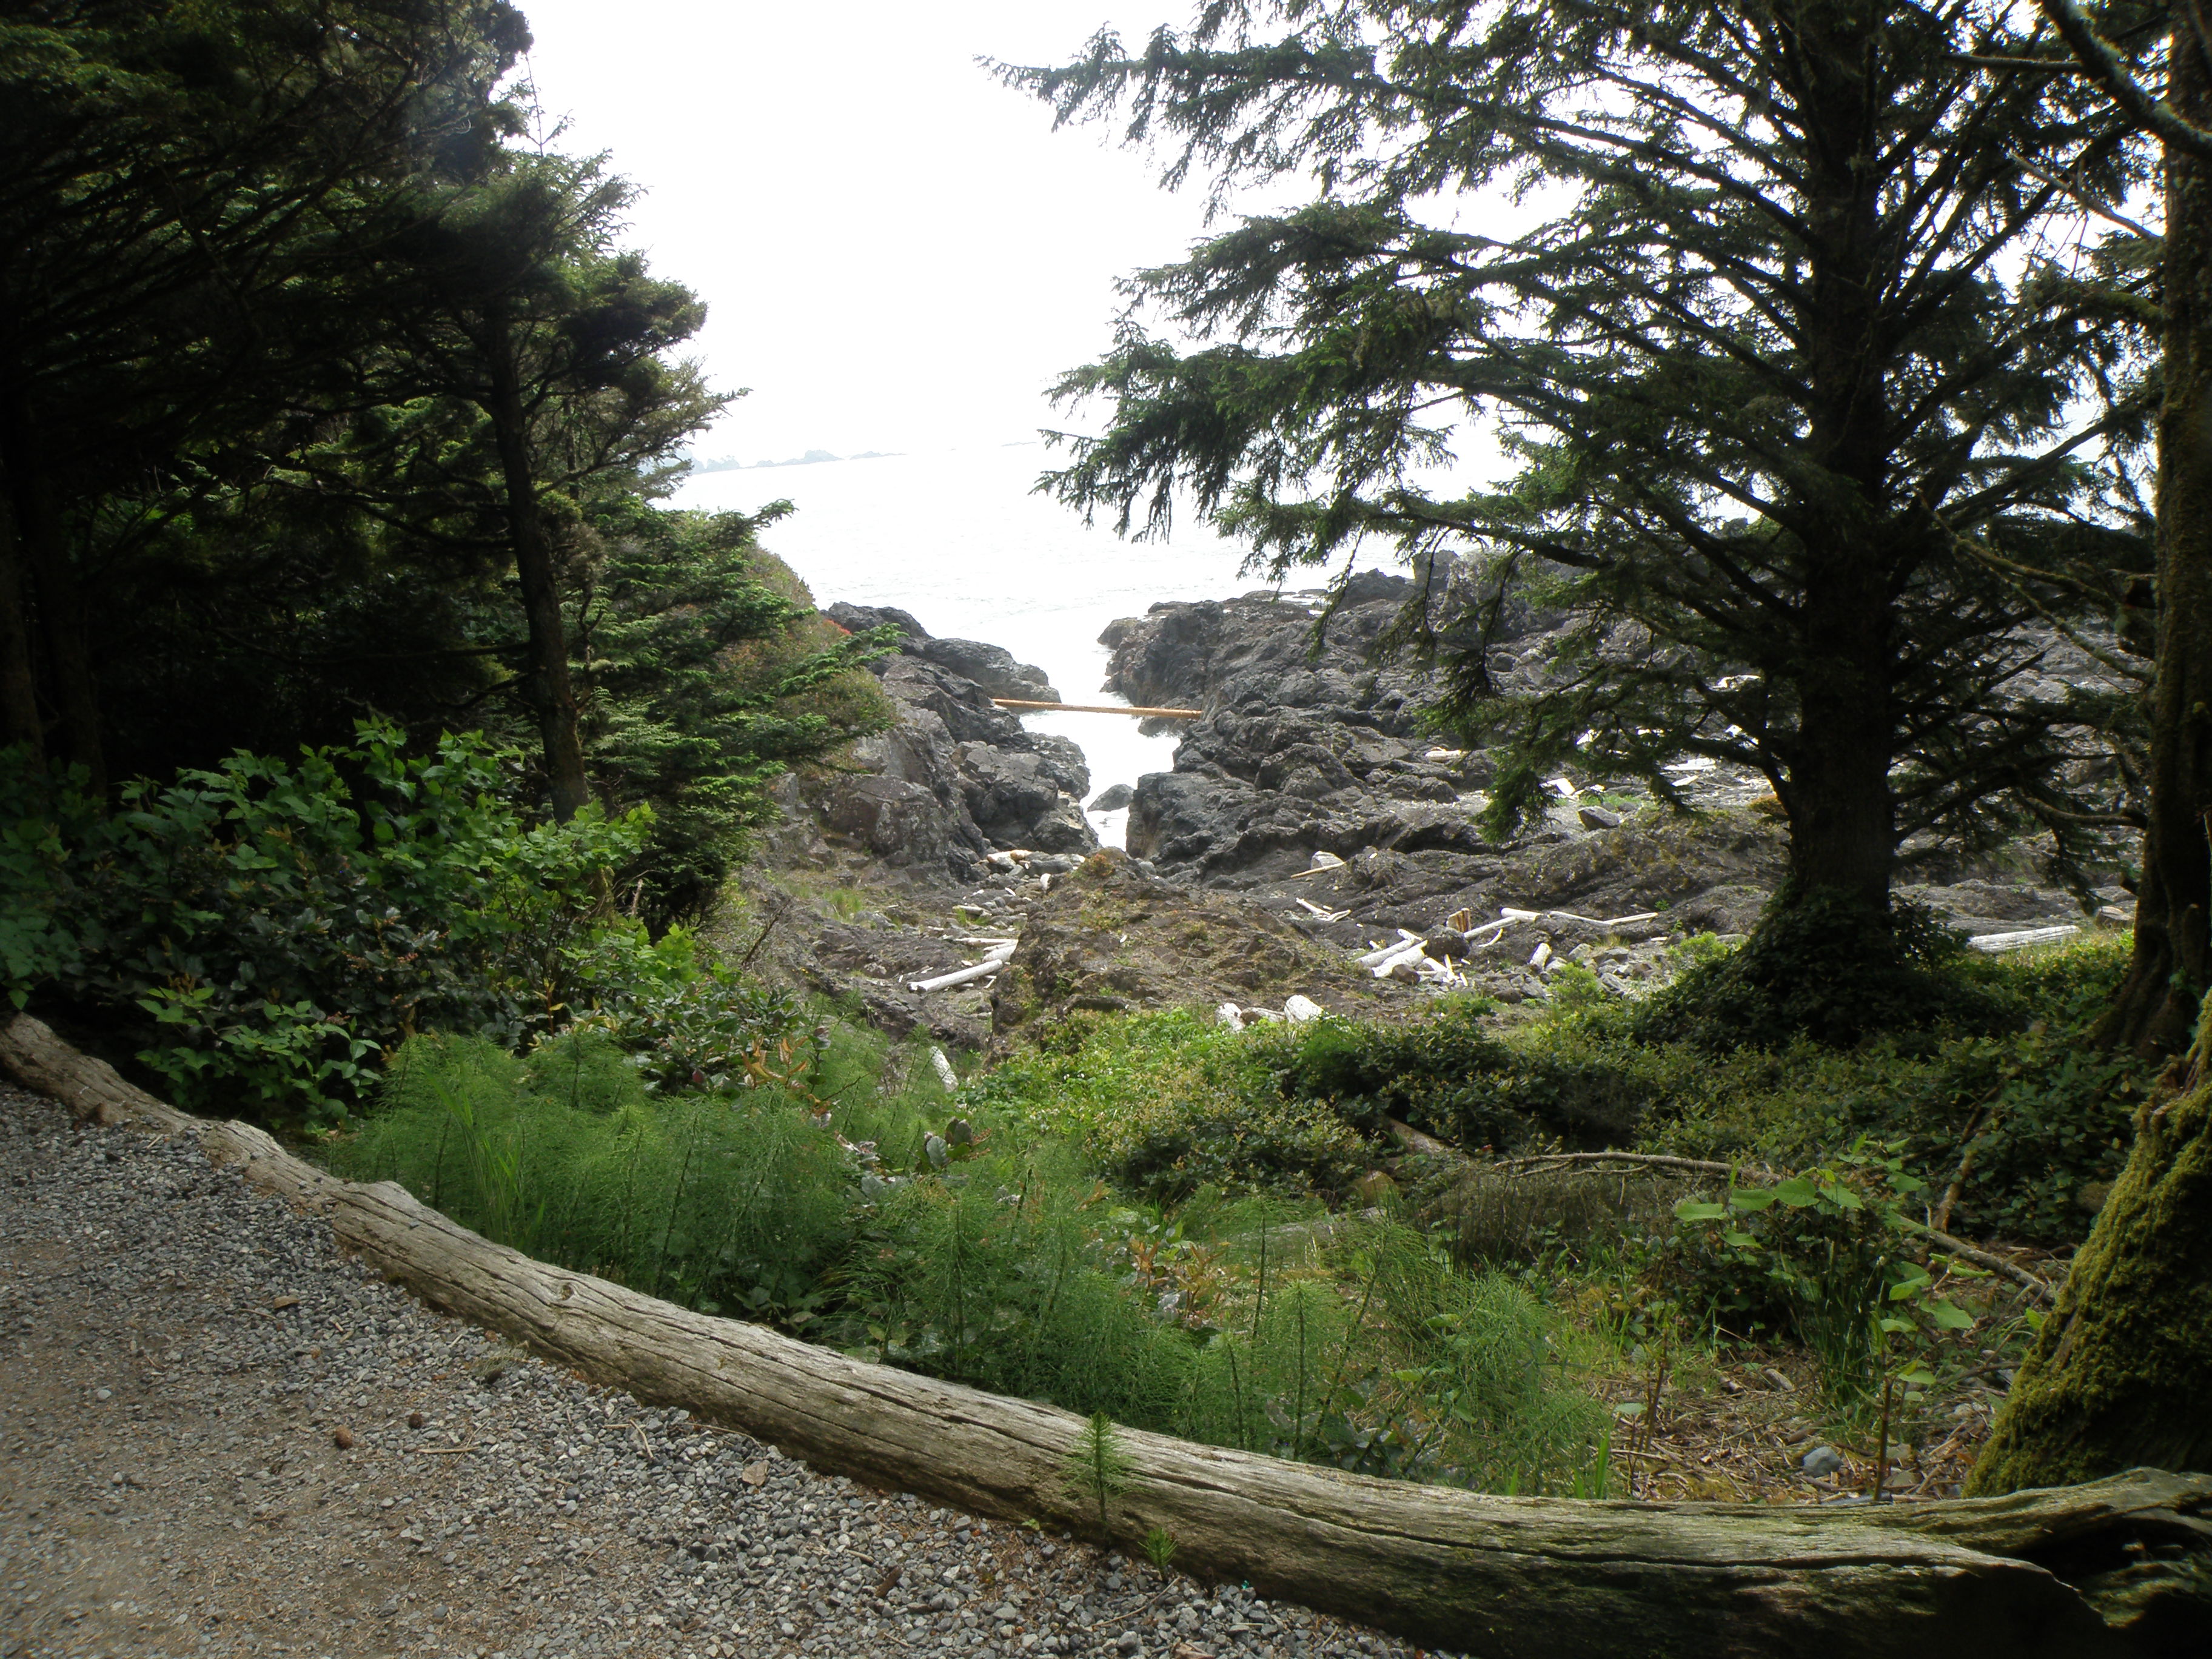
[985, 1248]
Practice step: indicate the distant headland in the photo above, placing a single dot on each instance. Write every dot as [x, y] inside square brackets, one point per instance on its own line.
[812, 457]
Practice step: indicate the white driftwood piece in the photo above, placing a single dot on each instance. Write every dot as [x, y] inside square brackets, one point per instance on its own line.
[1507, 913]
[1001, 955]
[1408, 952]
[1529, 1578]
[1405, 941]
[1995, 944]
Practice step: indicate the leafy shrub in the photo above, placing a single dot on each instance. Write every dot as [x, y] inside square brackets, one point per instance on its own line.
[1168, 1104]
[1826, 966]
[2038, 1117]
[283, 923]
[1450, 1072]
[1829, 1256]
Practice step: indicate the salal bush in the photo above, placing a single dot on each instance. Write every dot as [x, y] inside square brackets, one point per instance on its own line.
[267, 928]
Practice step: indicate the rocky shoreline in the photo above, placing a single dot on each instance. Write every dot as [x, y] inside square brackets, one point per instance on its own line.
[1309, 803]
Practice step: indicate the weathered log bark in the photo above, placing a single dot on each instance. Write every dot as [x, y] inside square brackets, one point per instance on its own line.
[1537, 1578]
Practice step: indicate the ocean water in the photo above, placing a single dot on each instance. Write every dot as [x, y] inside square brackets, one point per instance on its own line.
[957, 538]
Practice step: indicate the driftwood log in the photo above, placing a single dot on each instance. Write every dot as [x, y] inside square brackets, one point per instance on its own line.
[2057, 1574]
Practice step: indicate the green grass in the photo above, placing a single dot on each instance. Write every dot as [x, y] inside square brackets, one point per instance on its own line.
[845, 1205]
[1178, 1226]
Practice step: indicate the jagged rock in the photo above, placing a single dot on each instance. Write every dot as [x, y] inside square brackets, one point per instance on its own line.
[1112, 799]
[991, 667]
[956, 777]
[1109, 937]
[861, 618]
[1308, 743]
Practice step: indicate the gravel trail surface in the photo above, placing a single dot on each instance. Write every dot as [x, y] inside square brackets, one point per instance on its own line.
[219, 1434]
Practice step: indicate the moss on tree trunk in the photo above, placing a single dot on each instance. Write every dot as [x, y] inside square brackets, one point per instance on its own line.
[2122, 1374]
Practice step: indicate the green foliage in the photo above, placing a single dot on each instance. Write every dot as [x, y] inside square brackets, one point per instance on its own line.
[1159, 1548]
[729, 1202]
[1424, 1371]
[705, 675]
[1831, 1256]
[1170, 1103]
[51, 831]
[284, 922]
[1448, 1070]
[1097, 1468]
[2032, 1122]
[1826, 965]
[981, 1250]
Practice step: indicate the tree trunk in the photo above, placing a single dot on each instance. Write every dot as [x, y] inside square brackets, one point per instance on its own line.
[1843, 817]
[1843, 824]
[2122, 1372]
[2155, 1010]
[550, 692]
[1540, 1579]
[19, 684]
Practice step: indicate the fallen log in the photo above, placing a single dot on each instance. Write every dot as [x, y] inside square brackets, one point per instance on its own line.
[1028, 704]
[1001, 955]
[1537, 1578]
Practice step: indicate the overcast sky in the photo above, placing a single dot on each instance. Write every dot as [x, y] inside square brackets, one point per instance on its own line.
[898, 253]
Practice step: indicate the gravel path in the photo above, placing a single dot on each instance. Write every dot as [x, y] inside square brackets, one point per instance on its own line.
[221, 1435]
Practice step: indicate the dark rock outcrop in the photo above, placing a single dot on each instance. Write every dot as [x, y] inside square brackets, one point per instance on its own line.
[956, 777]
[1311, 741]
[991, 666]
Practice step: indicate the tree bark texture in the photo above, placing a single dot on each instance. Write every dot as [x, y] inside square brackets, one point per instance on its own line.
[1536, 1578]
[2155, 1010]
[2122, 1371]
[551, 692]
[1842, 812]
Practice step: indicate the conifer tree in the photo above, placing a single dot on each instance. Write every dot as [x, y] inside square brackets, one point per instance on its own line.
[513, 299]
[1805, 416]
[183, 192]
[2121, 1369]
